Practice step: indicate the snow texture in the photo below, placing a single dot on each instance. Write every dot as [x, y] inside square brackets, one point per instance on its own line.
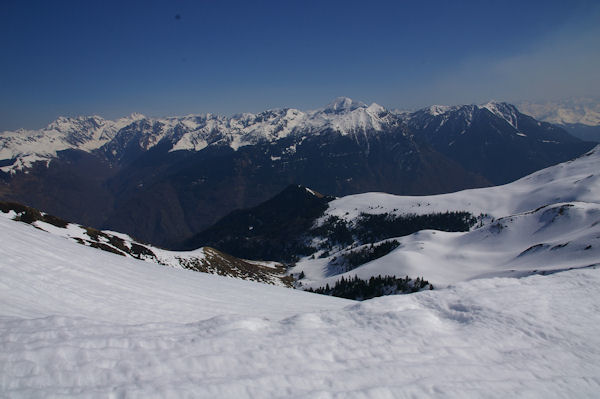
[203, 259]
[77, 322]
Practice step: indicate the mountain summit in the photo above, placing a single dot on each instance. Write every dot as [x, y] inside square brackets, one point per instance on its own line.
[343, 104]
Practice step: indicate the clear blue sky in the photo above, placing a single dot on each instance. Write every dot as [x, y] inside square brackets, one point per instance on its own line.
[160, 58]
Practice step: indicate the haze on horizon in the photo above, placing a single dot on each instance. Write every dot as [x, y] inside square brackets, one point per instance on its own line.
[179, 57]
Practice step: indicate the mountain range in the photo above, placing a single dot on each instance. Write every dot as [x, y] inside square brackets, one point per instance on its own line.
[162, 180]
[579, 116]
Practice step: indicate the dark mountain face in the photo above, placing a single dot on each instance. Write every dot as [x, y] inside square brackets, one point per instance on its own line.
[73, 186]
[499, 143]
[583, 132]
[140, 182]
[271, 230]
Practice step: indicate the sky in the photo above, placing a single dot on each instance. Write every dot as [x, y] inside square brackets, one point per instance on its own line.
[164, 58]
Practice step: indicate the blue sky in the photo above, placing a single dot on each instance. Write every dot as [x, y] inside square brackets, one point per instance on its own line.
[180, 57]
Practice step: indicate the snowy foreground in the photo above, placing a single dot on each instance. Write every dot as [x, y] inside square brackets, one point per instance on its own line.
[78, 322]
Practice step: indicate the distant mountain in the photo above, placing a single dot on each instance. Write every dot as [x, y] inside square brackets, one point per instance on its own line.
[165, 179]
[493, 140]
[580, 117]
[585, 111]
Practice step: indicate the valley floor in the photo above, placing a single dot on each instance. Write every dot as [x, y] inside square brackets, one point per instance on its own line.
[76, 322]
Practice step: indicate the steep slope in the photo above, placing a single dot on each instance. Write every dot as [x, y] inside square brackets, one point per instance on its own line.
[44, 274]
[270, 230]
[78, 322]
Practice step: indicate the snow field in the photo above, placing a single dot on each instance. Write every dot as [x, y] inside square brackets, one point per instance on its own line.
[43, 274]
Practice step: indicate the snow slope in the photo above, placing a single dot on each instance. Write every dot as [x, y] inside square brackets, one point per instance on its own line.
[44, 274]
[544, 222]
[77, 322]
[557, 237]
[204, 259]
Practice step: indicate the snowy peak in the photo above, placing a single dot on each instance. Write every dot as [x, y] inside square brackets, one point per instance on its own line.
[508, 112]
[349, 117]
[343, 104]
[463, 115]
[436, 110]
[502, 110]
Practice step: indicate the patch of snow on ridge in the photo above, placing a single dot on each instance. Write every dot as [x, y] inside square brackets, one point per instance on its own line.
[504, 111]
[436, 110]
[341, 104]
[76, 322]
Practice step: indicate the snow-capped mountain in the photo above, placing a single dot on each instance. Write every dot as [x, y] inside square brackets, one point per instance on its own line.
[163, 179]
[24, 147]
[494, 140]
[585, 111]
[193, 132]
[196, 132]
[79, 322]
[580, 116]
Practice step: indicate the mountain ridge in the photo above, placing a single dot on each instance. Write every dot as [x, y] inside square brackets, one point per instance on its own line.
[196, 132]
